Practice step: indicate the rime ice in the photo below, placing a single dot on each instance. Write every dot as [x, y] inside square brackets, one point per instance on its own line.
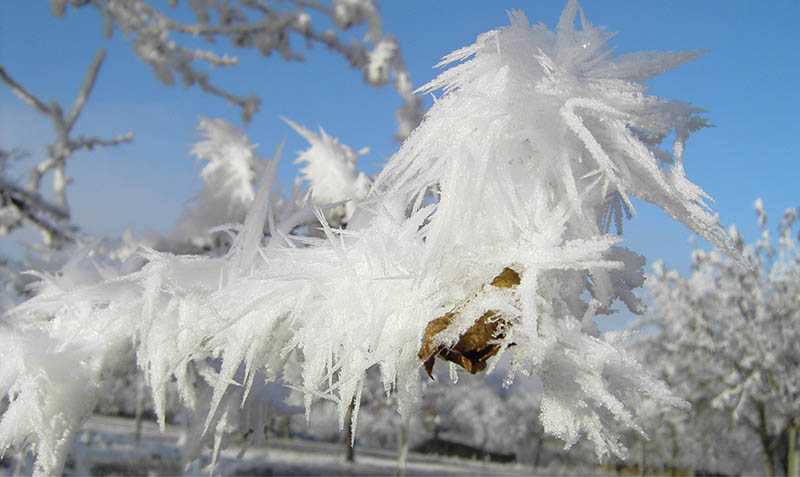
[528, 160]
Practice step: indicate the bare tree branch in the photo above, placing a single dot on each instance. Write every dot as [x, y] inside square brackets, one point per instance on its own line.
[92, 142]
[28, 201]
[267, 26]
[33, 208]
[35, 201]
[28, 97]
[88, 84]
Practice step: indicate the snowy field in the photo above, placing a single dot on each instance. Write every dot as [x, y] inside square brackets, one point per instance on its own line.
[107, 446]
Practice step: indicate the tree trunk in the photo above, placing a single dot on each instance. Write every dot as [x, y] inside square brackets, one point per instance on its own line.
[644, 458]
[791, 452]
[537, 453]
[766, 444]
[675, 448]
[348, 437]
[769, 465]
[139, 405]
[402, 448]
[286, 428]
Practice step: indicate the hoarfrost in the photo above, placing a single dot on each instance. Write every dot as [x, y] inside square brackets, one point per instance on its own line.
[532, 153]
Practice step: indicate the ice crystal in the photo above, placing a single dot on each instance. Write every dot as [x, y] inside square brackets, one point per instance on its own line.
[526, 162]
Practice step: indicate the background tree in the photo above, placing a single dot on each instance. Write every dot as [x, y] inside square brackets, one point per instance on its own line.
[679, 439]
[728, 337]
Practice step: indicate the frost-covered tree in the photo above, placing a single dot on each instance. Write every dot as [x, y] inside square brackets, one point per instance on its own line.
[488, 234]
[704, 439]
[729, 336]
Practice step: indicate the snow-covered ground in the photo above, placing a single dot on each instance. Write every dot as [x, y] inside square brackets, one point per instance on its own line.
[107, 446]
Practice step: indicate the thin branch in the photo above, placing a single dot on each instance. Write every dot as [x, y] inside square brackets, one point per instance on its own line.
[29, 201]
[57, 115]
[51, 233]
[28, 97]
[92, 142]
[268, 30]
[36, 172]
[30, 207]
[34, 200]
[249, 105]
[88, 84]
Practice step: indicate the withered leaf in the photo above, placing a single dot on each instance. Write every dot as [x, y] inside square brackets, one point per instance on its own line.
[508, 278]
[474, 346]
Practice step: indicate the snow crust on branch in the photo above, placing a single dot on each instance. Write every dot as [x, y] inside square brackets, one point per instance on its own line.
[526, 162]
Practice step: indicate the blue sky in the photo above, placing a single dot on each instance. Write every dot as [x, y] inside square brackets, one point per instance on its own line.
[747, 82]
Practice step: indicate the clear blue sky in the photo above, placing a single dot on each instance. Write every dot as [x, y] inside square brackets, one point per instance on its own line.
[747, 82]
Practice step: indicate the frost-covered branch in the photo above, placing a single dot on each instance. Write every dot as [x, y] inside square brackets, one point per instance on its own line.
[537, 143]
[23, 93]
[26, 203]
[267, 26]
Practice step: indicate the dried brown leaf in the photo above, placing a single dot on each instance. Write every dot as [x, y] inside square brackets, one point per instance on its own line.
[477, 344]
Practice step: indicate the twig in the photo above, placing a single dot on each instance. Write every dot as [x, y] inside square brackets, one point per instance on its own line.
[268, 30]
[28, 97]
[88, 84]
[32, 199]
